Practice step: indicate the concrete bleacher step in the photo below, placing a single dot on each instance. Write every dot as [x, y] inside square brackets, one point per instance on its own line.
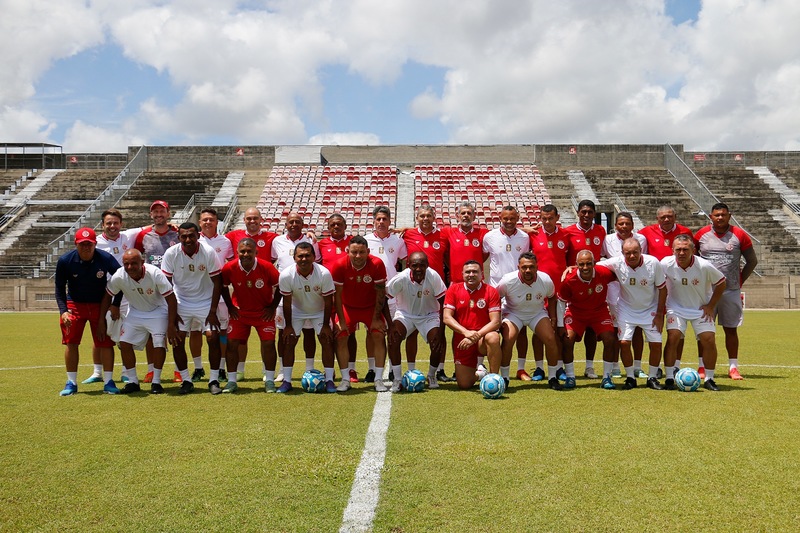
[33, 188]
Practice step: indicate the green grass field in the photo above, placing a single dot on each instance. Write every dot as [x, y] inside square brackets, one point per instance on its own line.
[580, 460]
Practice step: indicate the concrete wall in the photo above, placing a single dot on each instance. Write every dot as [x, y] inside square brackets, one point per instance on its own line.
[743, 159]
[207, 157]
[583, 156]
[95, 161]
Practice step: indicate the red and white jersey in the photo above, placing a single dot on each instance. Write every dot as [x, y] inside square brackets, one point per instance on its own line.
[586, 296]
[417, 299]
[612, 245]
[523, 300]
[283, 250]
[463, 247]
[390, 250]
[331, 249]
[585, 239]
[659, 242]
[690, 289]
[504, 251]
[221, 245]
[263, 241]
[154, 245]
[472, 308]
[433, 245]
[191, 274]
[638, 296]
[145, 296]
[724, 251]
[116, 247]
[358, 286]
[308, 292]
[253, 290]
[551, 250]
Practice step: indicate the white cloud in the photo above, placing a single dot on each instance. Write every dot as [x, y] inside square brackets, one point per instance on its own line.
[85, 138]
[351, 138]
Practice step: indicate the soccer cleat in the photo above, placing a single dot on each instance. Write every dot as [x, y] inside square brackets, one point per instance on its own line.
[607, 383]
[230, 387]
[569, 383]
[353, 376]
[129, 388]
[156, 388]
[444, 378]
[433, 383]
[330, 386]
[285, 387]
[176, 377]
[223, 376]
[660, 374]
[380, 386]
[554, 384]
[123, 378]
[94, 378]
[110, 387]
[710, 385]
[69, 389]
[391, 375]
[397, 386]
[240, 376]
[652, 383]
[148, 378]
[561, 374]
[641, 374]
[269, 386]
[702, 371]
[481, 372]
[523, 376]
[538, 375]
[344, 386]
[616, 373]
[590, 373]
[370, 377]
[505, 380]
[213, 387]
[198, 375]
[669, 384]
[630, 383]
[733, 373]
[186, 387]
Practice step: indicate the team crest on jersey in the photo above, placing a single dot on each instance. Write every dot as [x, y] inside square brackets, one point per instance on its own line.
[116, 250]
[260, 243]
[191, 268]
[436, 245]
[317, 288]
[140, 290]
[632, 281]
[471, 304]
[588, 242]
[201, 268]
[476, 243]
[695, 281]
[367, 279]
[729, 247]
[596, 241]
[539, 296]
[150, 291]
[643, 283]
[481, 303]
[391, 250]
[249, 284]
[508, 247]
[550, 244]
[562, 245]
[466, 242]
[528, 297]
[306, 288]
[426, 292]
[380, 249]
[100, 274]
[598, 288]
[425, 244]
[259, 284]
[684, 281]
[568, 320]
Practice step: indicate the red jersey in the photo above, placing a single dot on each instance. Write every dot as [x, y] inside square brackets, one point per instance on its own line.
[581, 239]
[463, 247]
[358, 286]
[433, 245]
[551, 250]
[263, 240]
[252, 291]
[587, 296]
[332, 250]
[659, 242]
[472, 308]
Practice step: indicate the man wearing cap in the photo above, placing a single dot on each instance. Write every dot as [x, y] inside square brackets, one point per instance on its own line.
[80, 284]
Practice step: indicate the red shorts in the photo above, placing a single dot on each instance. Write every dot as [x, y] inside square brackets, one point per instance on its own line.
[239, 330]
[600, 321]
[468, 357]
[354, 315]
[82, 313]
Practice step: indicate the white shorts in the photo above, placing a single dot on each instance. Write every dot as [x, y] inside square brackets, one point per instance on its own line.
[561, 308]
[114, 327]
[315, 322]
[521, 322]
[135, 331]
[699, 325]
[194, 319]
[626, 330]
[423, 324]
[392, 306]
[223, 316]
[730, 311]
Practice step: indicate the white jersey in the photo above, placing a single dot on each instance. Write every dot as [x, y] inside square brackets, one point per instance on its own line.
[221, 245]
[690, 289]
[124, 242]
[308, 293]
[191, 275]
[417, 299]
[504, 251]
[523, 300]
[612, 245]
[638, 288]
[283, 251]
[146, 296]
[389, 250]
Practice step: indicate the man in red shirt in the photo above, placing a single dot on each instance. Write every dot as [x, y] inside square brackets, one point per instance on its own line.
[360, 281]
[660, 235]
[464, 242]
[472, 311]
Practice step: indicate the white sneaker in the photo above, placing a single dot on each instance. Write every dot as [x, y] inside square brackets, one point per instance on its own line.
[481, 372]
[344, 386]
[432, 382]
[380, 386]
[397, 386]
[590, 373]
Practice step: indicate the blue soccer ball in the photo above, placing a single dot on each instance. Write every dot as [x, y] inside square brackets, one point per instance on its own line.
[687, 380]
[414, 381]
[313, 381]
[492, 386]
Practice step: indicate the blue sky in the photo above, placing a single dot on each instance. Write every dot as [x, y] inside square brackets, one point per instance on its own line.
[104, 75]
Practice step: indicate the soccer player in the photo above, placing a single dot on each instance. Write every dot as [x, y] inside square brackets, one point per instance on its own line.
[586, 235]
[419, 293]
[307, 292]
[152, 312]
[584, 291]
[694, 287]
[360, 281]
[80, 284]
[641, 304]
[193, 269]
[525, 292]
[504, 246]
[472, 310]
[253, 304]
[465, 242]
[725, 246]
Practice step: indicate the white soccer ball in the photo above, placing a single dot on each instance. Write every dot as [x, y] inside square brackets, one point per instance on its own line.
[414, 381]
[313, 381]
[493, 386]
[687, 380]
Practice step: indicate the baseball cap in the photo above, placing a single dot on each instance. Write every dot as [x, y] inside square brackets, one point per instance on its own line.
[161, 203]
[85, 235]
